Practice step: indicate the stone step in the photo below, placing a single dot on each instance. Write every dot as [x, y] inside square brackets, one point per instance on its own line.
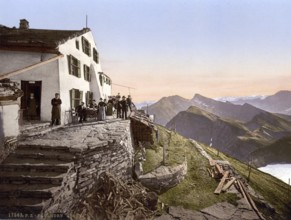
[16, 194]
[41, 156]
[20, 212]
[43, 148]
[22, 202]
[29, 187]
[31, 169]
[19, 180]
[31, 174]
[34, 161]
[34, 127]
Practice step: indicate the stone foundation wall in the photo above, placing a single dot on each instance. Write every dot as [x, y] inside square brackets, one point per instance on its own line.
[142, 128]
[8, 145]
[114, 155]
[164, 177]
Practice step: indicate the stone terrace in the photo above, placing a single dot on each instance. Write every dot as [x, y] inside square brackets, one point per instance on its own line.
[50, 171]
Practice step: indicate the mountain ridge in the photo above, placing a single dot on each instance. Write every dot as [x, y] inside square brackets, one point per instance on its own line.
[233, 137]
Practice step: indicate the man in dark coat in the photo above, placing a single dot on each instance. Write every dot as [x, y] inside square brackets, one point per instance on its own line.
[56, 109]
[129, 102]
[118, 108]
[124, 107]
[82, 112]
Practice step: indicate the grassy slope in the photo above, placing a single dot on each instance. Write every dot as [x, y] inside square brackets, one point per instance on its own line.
[196, 191]
[272, 189]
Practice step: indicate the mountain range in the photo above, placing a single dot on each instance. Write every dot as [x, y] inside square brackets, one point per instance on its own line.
[242, 108]
[277, 103]
[233, 137]
[240, 127]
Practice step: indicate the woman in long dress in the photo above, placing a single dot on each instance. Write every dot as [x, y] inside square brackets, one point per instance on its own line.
[101, 110]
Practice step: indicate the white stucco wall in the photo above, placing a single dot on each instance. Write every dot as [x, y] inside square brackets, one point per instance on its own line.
[55, 75]
[9, 120]
[68, 82]
[48, 74]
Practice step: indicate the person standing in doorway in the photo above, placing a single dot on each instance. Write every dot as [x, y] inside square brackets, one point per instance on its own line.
[56, 109]
[31, 107]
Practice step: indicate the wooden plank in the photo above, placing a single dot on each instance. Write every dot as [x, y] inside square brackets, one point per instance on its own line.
[228, 184]
[243, 192]
[220, 185]
[210, 173]
[219, 168]
[251, 202]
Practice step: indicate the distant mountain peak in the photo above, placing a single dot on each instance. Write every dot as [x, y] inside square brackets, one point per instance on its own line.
[283, 93]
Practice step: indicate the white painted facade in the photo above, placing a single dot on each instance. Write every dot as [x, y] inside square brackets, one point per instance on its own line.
[55, 77]
[9, 126]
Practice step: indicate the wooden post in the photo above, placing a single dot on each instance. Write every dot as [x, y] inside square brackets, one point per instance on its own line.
[289, 187]
[250, 168]
[249, 175]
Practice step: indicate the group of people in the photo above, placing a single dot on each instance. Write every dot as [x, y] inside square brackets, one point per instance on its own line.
[115, 105]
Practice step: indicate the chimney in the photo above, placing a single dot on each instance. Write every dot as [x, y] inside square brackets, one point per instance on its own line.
[24, 24]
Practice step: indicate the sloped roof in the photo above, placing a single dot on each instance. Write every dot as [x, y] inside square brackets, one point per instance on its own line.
[35, 39]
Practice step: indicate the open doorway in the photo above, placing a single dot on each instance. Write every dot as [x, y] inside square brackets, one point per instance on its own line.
[31, 99]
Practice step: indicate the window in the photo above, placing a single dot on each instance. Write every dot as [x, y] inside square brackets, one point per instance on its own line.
[89, 98]
[76, 97]
[95, 55]
[74, 66]
[77, 44]
[101, 79]
[87, 75]
[86, 46]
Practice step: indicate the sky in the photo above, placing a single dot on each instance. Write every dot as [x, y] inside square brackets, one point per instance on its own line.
[177, 47]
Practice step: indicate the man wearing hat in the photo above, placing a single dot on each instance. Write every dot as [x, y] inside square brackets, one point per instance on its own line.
[56, 109]
[124, 107]
[129, 102]
[82, 112]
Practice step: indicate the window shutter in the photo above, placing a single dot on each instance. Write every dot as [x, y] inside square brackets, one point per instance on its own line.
[100, 79]
[89, 76]
[81, 97]
[69, 63]
[72, 97]
[83, 44]
[79, 69]
[87, 98]
[84, 71]
[89, 49]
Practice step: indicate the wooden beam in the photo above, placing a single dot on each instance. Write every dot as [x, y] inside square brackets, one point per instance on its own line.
[219, 169]
[228, 184]
[24, 69]
[250, 201]
[220, 185]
